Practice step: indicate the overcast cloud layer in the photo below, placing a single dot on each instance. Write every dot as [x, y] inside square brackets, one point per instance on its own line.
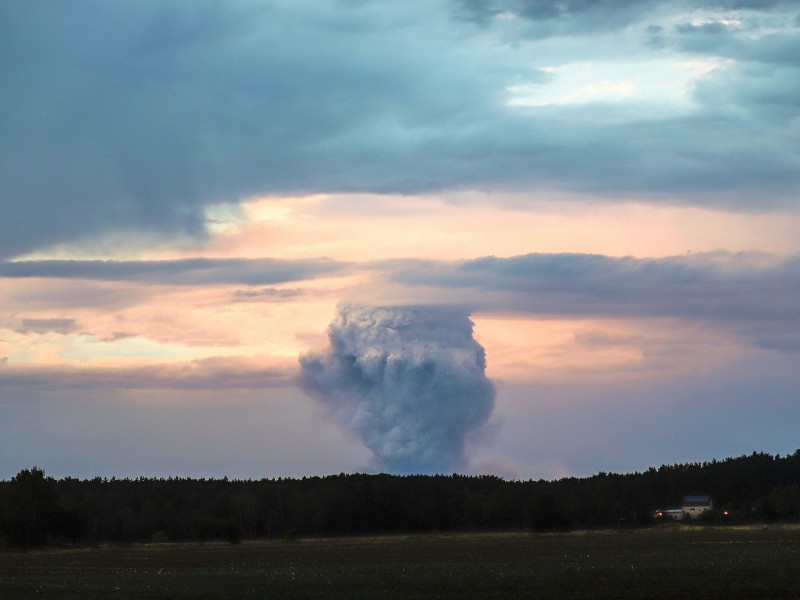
[136, 115]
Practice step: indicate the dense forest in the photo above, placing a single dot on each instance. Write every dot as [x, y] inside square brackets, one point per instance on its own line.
[36, 509]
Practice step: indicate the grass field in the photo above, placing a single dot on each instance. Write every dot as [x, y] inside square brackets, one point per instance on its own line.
[674, 562]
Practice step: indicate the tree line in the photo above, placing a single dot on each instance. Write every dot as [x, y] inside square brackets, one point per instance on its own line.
[36, 509]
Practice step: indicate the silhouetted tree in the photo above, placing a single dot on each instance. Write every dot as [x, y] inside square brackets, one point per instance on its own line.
[71, 523]
[544, 514]
[231, 531]
[34, 508]
[30, 507]
[202, 526]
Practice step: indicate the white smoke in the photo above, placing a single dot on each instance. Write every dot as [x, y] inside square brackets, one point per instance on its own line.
[409, 381]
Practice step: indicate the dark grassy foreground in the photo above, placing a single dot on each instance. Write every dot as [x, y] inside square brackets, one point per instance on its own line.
[671, 562]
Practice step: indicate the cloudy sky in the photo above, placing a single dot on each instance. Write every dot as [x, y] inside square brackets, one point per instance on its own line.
[204, 202]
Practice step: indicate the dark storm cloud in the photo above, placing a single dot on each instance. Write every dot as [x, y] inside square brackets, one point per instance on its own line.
[119, 116]
[135, 116]
[191, 271]
[735, 290]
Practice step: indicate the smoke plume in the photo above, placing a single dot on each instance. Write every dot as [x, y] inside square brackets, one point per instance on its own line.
[409, 381]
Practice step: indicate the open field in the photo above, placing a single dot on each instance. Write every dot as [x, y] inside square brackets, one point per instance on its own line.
[675, 562]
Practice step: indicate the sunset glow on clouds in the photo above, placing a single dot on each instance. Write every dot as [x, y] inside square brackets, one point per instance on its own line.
[609, 190]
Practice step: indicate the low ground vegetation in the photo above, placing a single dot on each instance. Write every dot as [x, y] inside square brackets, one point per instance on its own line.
[664, 562]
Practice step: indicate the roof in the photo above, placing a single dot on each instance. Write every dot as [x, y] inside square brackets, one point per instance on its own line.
[696, 500]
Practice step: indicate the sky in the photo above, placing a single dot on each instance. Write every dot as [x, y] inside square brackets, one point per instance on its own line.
[527, 238]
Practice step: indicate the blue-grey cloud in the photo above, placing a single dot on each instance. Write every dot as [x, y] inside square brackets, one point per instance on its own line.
[136, 116]
[267, 294]
[550, 17]
[190, 271]
[40, 326]
[713, 28]
[409, 382]
[214, 373]
[586, 17]
[757, 300]
[747, 45]
[70, 294]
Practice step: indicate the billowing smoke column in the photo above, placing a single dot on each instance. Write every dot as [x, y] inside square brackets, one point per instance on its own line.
[409, 381]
